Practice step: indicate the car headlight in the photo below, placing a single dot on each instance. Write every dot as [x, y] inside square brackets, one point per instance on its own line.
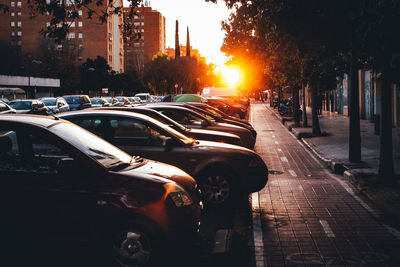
[256, 162]
[178, 195]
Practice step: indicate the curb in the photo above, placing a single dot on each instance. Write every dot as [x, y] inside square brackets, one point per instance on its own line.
[334, 166]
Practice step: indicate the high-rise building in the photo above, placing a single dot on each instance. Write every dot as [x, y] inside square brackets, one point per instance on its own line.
[150, 24]
[21, 27]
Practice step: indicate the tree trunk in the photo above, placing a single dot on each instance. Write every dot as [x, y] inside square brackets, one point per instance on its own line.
[316, 130]
[271, 98]
[386, 171]
[354, 122]
[279, 97]
[295, 97]
[305, 121]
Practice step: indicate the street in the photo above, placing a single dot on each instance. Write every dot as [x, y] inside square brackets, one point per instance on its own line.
[308, 216]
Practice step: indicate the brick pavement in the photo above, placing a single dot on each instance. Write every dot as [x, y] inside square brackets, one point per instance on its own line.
[310, 217]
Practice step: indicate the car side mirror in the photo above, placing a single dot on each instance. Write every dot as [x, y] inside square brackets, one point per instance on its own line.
[204, 124]
[66, 166]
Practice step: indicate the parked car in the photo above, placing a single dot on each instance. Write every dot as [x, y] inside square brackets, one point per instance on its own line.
[99, 102]
[192, 119]
[55, 104]
[123, 101]
[29, 106]
[145, 97]
[137, 99]
[112, 100]
[227, 107]
[5, 100]
[211, 114]
[5, 108]
[78, 102]
[200, 134]
[222, 171]
[61, 182]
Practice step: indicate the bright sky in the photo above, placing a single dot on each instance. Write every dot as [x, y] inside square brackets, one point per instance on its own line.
[204, 21]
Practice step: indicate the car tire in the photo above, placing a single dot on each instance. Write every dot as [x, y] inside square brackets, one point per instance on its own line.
[217, 187]
[136, 244]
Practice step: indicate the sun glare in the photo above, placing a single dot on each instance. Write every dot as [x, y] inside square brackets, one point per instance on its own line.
[231, 75]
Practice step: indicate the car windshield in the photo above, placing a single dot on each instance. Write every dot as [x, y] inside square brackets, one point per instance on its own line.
[215, 113]
[49, 102]
[103, 152]
[73, 99]
[20, 105]
[120, 99]
[96, 101]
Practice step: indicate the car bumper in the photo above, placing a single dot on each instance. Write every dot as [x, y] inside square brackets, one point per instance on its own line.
[255, 179]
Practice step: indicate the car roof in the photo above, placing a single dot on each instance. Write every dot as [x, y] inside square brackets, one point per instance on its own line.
[103, 112]
[39, 120]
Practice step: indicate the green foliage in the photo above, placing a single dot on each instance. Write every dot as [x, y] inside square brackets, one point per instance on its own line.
[189, 73]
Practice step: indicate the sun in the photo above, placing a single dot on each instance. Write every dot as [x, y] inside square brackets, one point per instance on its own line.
[230, 75]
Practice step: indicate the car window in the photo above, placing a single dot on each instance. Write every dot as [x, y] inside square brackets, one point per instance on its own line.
[20, 105]
[182, 117]
[93, 125]
[24, 151]
[134, 132]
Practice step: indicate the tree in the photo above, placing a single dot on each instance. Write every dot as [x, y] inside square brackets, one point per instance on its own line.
[94, 74]
[187, 43]
[177, 46]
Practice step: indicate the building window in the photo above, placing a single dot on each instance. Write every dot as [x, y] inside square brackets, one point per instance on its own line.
[19, 4]
[80, 23]
[12, 24]
[80, 46]
[142, 30]
[142, 17]
[71, 35]
[19, 24]
[110, 26]
[19, 33]
[12, 14]
[12, 4]
[80, 35]
[80, 12]
[19, 43]
[12, 33]
[110, 58]
[59, 47]
[19, 14]
[72, 24]
[110, 47]
[136, 24]
[136, 44]
[47, 24]
[142, 23]
[48, 2]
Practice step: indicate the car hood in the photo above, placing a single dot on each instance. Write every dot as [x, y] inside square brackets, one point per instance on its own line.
[222, 147]
[211, 132]
[157, 170]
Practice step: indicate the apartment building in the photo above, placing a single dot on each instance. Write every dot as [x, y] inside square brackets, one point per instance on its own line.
[21, 27]
[151, 26]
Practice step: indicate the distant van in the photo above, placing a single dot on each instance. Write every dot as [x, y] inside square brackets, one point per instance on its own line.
[145, 97]
[218, 91]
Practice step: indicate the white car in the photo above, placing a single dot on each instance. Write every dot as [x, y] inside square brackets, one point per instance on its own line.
[145, 97]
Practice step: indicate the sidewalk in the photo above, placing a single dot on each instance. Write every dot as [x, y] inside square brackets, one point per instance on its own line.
[332, 150]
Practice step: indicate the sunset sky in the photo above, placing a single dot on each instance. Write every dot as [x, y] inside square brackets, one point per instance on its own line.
[204, 21]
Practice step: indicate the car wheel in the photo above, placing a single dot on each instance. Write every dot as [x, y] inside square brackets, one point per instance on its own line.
[217, 187]
[135, 245]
